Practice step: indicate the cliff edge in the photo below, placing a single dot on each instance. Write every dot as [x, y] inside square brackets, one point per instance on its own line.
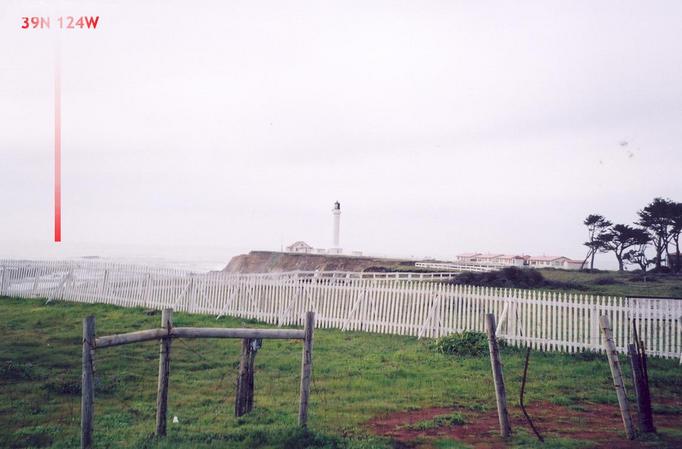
[275, 262]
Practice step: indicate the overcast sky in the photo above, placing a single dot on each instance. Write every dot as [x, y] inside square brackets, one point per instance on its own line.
[209, 128]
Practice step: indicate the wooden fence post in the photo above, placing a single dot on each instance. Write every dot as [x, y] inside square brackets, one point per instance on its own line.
[255, 346]
[164, 373]
[617, 375]
[646, 420]
[243, 402]
[500, 393]
[87, 383]
[306, 368]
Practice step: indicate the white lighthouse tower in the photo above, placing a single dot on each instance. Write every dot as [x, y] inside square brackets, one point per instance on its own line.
[336, 214]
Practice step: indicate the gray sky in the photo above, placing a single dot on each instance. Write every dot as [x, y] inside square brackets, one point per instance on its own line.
[204, 129]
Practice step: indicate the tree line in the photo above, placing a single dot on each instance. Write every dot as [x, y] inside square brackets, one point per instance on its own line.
[659, 226]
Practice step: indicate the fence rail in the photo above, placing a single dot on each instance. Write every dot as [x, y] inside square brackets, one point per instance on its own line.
[403, 304]
[461, 267]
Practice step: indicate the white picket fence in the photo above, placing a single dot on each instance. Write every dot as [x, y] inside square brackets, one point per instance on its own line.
[390, 303]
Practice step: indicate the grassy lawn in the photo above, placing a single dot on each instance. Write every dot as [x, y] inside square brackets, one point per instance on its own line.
[356, 377]
[614, 283]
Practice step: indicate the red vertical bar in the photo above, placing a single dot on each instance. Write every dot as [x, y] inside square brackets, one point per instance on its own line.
[57, 147]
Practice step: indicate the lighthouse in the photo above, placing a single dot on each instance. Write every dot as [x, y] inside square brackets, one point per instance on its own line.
[336, 214]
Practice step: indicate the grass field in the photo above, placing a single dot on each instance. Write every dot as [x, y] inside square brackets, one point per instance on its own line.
[620, 284]
[357, 377]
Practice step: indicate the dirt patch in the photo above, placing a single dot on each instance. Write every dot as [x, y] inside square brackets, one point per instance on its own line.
[600, 423]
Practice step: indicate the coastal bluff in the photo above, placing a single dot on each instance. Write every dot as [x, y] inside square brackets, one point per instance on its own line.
[276, 262]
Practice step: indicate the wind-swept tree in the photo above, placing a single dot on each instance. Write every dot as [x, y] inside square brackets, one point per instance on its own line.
[621, 237]
[637, 256]
[597, 231]
[675, 231]
[656, 217]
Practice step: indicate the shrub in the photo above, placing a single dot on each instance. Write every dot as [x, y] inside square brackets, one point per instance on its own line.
[376, 270]
[11, 370]
[513, 277]
[462, 343]
[68, 386]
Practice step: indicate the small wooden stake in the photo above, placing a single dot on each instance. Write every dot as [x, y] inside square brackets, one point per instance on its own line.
[646, 420]
[306, 368]
[500, 392]
[87, 383]
[164, 373]
[617, 374]
[245, 381]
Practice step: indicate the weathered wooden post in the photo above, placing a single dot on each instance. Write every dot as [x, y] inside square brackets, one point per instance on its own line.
[500, 392]
[644, 412]
[242, 375]
[250, 381]
[245, 380]
[617, 374]
[306, 368]
[164, 373]
[88, 383]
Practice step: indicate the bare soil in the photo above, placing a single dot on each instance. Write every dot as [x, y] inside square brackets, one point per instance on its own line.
[599, 423]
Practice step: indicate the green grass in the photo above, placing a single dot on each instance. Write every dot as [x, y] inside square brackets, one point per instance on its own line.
[450, 444]
[436, 422]
[613, 283]
[525, 439]
[356, 376]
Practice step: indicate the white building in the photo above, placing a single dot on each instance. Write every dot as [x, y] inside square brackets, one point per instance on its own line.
[466, 257]
[511, 261]
[572, 264]
[491, 259]
[488, 258]
[554, 262]
[508, 260]
[299, 247]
